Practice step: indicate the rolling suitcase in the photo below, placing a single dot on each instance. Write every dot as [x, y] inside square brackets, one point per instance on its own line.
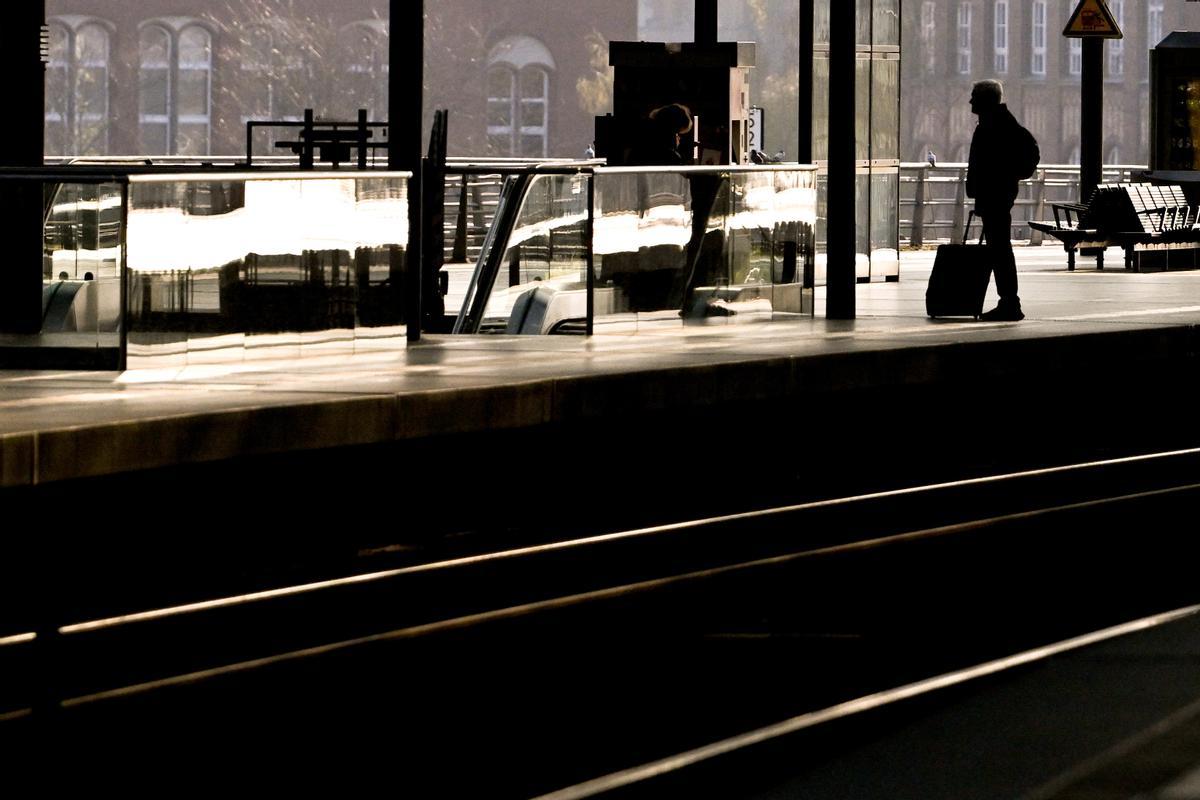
[959, 280]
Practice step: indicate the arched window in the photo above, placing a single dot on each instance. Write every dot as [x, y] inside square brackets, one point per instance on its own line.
[364, 69]
[77, 87]
[193, 112]
[518, 110]
[271, 84]
[174, 88]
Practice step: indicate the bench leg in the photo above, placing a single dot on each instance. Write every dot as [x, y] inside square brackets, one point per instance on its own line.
[1100, 259]
[1070, 259]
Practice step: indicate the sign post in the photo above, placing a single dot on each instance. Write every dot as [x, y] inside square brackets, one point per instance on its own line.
[1093, 23]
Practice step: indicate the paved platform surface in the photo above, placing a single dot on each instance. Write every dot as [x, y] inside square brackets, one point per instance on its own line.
[62, 425]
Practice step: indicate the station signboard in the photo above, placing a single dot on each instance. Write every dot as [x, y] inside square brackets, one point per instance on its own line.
[1092, 19]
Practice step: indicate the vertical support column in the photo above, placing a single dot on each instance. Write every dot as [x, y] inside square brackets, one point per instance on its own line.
[840, 272]
[706, 22]
[804, 89]
[589, 235]
[406, 78]
[21, 208]
[1091, 123]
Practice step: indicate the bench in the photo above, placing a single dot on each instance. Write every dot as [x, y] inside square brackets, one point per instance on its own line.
[1153, 224]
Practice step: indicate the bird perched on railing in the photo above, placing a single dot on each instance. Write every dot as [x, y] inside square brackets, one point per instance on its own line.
[930, 157]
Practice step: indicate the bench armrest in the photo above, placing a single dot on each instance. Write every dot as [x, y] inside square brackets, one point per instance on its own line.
[1067, 215]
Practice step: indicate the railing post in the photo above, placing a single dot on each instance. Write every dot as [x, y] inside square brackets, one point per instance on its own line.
[459, 255]
[960, 204]
[916, 236]
[1039, 206]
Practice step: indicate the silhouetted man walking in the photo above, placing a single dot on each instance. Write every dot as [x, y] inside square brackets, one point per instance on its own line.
[1000, 154]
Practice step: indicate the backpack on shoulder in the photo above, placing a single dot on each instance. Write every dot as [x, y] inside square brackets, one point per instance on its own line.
[1026, 154]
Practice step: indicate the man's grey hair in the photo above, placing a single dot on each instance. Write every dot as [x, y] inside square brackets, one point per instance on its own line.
[988, 90]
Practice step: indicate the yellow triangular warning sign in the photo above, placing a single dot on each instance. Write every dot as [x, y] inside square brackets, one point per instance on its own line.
[1092, 18]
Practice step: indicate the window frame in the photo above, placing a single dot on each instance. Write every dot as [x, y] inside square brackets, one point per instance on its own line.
[1154, 23]
[69, 113]
[173, 120]
[510, 63]
[963, 37]
[929, 34]
[1037, 39]
[374, 65]
[1115, 68]
[1000, 37]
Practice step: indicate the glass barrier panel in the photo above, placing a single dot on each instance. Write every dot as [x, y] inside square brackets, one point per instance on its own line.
[702, 247]
[885, 29]
[541, 285]
[885, 226]
[471, 200]
[246, 266]
[885, 107]
[80, 313]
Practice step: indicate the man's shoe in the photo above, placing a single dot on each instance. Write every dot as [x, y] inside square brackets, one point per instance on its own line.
[1002, 313]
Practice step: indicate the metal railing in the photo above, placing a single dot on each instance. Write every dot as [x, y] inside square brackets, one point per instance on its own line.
[934, 202]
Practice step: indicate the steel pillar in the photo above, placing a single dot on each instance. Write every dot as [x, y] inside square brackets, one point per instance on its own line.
[1091, 122]
[840, 276]
[21, 207]
[406, 100]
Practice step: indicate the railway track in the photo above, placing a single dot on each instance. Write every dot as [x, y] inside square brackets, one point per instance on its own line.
[550, 665]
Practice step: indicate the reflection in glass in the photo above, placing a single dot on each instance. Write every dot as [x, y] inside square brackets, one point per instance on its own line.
[885, 225]
[820, 110]
[542, 279]
[885, 29]
[885, 108]
[862, 231]
[862, 22]
[702, 247]
[81, 276]
[821, 22]
[862, 107]
[296, 262]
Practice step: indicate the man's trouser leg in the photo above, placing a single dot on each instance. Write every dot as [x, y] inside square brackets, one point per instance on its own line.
[997, 233]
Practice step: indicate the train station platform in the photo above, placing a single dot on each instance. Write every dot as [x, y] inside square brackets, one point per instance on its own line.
[202, 469]
[1105, 330]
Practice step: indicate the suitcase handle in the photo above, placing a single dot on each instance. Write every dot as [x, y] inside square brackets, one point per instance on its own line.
[967, 232]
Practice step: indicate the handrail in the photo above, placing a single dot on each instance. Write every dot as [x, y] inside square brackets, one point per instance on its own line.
[934, 204]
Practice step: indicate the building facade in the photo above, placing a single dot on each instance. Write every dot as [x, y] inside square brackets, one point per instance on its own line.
[950, 44]
[183, 77]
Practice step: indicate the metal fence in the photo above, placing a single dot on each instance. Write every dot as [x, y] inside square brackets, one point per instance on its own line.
[934, 203]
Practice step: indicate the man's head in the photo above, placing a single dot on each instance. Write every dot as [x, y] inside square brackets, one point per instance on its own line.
[986, 95]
